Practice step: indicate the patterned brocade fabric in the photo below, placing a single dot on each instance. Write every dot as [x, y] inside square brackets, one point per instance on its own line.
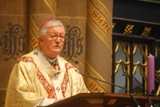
[31, 81]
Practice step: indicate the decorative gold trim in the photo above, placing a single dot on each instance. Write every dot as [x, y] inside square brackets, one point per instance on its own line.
[143, 68]
[158, 91]
[112, 101]
[103, 87]
[51, 5]
[156, 50]
[33, 33]
[146, 31]
[128, 29]
[113, 25]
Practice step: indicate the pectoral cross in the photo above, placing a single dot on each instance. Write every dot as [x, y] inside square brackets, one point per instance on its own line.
[58, 89]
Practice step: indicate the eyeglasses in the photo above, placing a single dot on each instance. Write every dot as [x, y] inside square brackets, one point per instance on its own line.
[55, 37]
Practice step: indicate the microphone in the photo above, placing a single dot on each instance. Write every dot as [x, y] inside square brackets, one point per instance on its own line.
[149, 100]
[131, 95]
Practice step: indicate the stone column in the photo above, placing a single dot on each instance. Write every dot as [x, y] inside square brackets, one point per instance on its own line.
[13, 35]
[99, 44]
[40, 10]
[73, 14]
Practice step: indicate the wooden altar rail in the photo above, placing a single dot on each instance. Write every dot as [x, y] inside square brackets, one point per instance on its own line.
[104, 100]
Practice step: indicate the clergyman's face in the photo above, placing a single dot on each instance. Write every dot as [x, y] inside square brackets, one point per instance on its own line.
[52, 43]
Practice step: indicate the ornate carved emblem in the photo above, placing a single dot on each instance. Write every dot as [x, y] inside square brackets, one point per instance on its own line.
[13, 41]
[128, 29]
[73, 46]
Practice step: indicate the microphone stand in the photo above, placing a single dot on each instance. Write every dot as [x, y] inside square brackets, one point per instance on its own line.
[149, 100]
[131, 95]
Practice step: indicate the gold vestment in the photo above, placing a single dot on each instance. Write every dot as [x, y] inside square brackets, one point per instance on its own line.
[30, 80]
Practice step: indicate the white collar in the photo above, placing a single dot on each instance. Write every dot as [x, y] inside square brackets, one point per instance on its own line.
[52, 61]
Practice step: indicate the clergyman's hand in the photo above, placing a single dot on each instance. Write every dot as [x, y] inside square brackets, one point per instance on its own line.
[59, 100]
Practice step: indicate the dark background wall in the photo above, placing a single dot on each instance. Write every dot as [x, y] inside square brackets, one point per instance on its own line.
[139, 10]
[140, 13]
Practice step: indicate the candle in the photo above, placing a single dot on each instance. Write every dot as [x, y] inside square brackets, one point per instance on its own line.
[151, 71]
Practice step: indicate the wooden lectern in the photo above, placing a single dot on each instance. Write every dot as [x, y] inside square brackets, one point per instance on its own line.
[104, 100]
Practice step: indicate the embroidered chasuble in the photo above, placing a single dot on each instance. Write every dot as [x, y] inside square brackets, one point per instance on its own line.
[34, 79]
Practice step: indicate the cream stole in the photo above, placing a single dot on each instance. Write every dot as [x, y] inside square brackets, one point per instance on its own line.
[42, 61]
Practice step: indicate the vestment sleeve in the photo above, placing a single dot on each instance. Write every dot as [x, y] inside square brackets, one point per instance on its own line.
[77, 81]
[22, 88]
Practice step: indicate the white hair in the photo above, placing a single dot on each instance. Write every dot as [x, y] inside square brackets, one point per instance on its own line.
[52, 23]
